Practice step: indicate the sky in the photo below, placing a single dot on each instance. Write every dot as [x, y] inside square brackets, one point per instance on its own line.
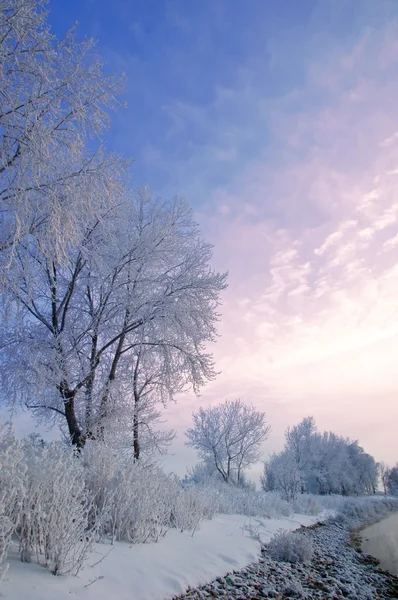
[278, 122]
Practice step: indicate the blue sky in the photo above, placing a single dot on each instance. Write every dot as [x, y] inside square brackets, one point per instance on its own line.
[278, 121]
[196, 68]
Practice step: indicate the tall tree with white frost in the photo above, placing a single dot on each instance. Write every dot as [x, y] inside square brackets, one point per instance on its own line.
[54, 98]
[139, 279]
[229, 435]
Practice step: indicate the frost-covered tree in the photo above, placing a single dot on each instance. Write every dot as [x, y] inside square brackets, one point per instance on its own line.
[282, 474]
[392, 483]
[322, 463]
[384, 471]
[143, 388]
[54, 99]
[299, 444]
[138, 284]
[229, 436]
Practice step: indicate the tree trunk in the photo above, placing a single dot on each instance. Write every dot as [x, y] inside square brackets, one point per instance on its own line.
[136, 440]
[77, 437]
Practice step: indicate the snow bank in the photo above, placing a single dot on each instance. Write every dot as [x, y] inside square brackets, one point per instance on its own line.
[153, 571]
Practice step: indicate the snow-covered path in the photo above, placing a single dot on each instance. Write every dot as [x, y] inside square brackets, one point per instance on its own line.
[153, 571]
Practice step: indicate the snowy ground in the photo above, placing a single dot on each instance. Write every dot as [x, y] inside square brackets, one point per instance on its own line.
[153, 571]
[336, 571]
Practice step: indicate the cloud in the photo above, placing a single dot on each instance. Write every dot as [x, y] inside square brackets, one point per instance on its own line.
[312, 308]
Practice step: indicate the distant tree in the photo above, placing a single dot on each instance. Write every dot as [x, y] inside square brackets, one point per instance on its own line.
[392, 484]
[364, 470]
[299, 441]
[229, 436]
[384, 471]
[322, 463]
[281, 474]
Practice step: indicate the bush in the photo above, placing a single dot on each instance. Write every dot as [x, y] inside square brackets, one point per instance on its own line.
[230, 499]
[55, 524]
[143, 502]
[192, 505]
[306, 504]
[44, 500]
[290, 547]
[12, 489]
[356, 511]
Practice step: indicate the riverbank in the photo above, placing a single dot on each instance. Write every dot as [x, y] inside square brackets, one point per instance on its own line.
[338, 570]
[381, 541]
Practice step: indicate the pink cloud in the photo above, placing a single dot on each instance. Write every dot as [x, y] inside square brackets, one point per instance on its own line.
[310, 320]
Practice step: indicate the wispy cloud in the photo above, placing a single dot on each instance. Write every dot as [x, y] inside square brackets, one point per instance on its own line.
[312, 309]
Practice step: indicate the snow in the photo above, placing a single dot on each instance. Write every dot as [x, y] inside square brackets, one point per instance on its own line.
[153, 571]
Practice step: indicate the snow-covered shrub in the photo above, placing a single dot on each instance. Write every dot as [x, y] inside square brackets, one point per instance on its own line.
[366, 509]
[290, 547]
[330, 501]
[12, 489]
[231, 499]
[140, 497]
[192, 504]
[54, 523]
[293, 589]
[307, 504]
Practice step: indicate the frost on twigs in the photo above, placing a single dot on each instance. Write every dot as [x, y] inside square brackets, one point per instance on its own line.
[139, 502]
[12, 489]
[55, 98]
[55, 523]
[290, 547]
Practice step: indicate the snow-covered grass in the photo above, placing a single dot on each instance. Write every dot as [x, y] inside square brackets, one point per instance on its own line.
[58, 502]
[229, 499]
[367, 509]
[153, 571]
[357, 508]
[89, 514]
[287, 547]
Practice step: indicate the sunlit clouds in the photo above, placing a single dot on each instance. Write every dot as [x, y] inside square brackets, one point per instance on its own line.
[310, 238]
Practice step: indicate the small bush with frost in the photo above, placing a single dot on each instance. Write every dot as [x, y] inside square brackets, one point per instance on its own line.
[54, 523]
[191, 506]
[290, 547]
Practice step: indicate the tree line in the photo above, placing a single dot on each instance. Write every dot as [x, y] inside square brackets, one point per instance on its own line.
[228, 439]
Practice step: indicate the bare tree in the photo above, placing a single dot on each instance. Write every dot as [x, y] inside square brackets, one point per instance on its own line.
[139, 279]
[229, 435]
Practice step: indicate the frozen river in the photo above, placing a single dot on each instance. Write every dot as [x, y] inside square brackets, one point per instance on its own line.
[381, 541]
